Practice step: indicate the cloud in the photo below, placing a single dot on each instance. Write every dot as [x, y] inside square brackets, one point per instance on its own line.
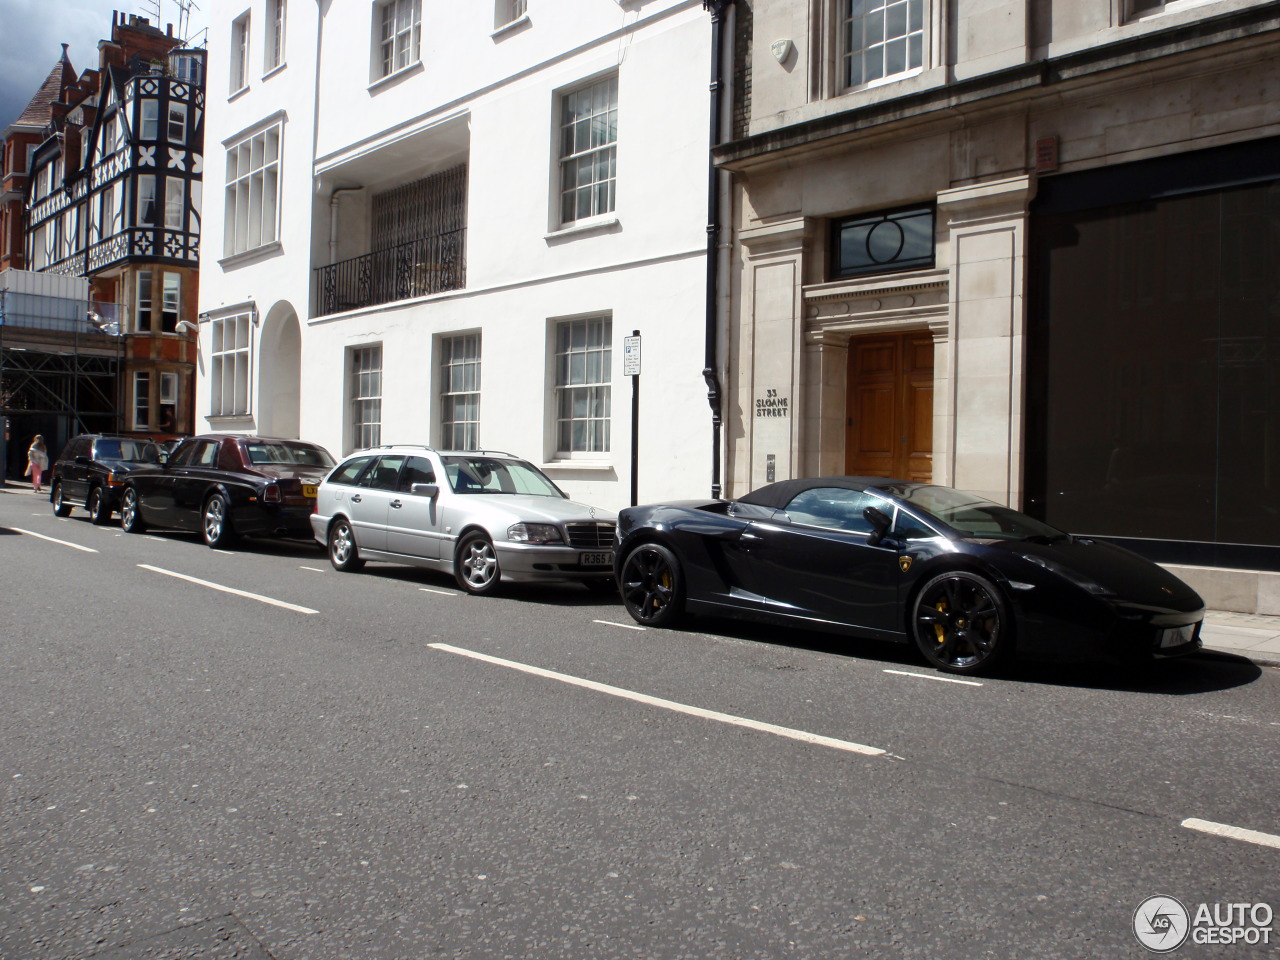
[32, 33]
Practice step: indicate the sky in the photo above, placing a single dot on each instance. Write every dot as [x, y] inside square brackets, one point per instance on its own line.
[32, 33]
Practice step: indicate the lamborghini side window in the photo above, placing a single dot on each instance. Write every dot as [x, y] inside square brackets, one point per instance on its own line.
[834, 507]
[907, 527]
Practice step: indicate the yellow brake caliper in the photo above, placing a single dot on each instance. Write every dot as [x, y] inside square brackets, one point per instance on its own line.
[941, 607]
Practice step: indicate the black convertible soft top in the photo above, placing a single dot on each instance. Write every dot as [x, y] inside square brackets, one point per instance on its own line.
[784, 491]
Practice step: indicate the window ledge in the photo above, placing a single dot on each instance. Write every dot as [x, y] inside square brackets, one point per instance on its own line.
[237, 94]
[250, 256]
[393, 78]
[274, 70]
[232, 419]
[597, 465]
[509, 28]
[584, 228]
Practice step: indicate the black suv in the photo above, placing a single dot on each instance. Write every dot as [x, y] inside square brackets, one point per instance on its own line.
[91, 472]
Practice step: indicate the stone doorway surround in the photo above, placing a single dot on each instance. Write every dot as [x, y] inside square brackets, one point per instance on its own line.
[792, 342]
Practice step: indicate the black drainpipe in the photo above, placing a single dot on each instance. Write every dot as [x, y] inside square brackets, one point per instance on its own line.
[719, 9]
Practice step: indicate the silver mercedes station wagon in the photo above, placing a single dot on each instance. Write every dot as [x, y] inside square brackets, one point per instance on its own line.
[488, 517]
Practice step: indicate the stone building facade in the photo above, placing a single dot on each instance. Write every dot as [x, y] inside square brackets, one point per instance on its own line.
[1021, 248]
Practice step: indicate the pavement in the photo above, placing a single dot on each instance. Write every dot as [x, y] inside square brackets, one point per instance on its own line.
[1253, 636]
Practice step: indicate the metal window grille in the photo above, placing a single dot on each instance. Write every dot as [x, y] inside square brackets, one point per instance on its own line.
[430, 207]
[880, 39]
[401, 38]
[460, 392]
[583, 373]
[366, 396]
[229, 366]
[588, 150]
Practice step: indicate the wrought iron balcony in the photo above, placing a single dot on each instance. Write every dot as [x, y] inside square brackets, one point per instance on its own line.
[418, 268]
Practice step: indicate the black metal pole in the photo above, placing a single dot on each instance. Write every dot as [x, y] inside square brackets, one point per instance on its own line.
[718, 10]
[635, 434]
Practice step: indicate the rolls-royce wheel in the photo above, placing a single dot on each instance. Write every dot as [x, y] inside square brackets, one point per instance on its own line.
[962, 623]
[215, 522]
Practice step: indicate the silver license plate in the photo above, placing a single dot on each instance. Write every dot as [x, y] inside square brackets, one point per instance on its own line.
[604, 559]
[1177, 636]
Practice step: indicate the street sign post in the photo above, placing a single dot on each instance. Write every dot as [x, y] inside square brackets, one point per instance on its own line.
[631, 368]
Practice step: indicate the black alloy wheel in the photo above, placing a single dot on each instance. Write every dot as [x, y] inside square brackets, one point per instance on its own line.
[652, 585]
[60, 507]
[131, 512]
[961, 623]
[343, 553]
[475, 565]
[215, 522]
[97, 507]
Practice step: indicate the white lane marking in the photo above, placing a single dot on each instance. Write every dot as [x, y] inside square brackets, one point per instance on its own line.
[929, 676]
[625, 626]
[158, 539]
[225, 553]
[802, 735]
[238, 593]
[443, 593]
[65, 543]
[1232, 833]
[312, 569]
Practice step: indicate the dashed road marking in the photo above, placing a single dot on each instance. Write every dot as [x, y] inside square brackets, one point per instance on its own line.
[442, 593]
[65, 543]
[625, 626]
[312, 569]
[802, 735]
[1232, 833]
[224, 589]
[929, 676]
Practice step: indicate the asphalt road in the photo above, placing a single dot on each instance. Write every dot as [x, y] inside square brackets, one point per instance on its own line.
[382, 767]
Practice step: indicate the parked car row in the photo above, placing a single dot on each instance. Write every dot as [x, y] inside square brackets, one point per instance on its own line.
[968, 581]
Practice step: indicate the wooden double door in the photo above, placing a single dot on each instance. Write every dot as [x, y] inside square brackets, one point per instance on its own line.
[889, 426]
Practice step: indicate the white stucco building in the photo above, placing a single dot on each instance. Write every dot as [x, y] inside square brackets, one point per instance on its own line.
[433, 222]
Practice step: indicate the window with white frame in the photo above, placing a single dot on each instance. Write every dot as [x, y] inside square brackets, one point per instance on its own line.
[588, 150]
[146, 211]
[274, 55]
[174, 197]
[240, 53]
[460, 392]
[177, 124]
[879, 40]
[148, 119]
[229, 365]
[142, 316]
[583, 372]
[168, 402]
[171, 301]
[253, 192]
[399, 26]
[141, 399]
[508, 11]
[366, 396]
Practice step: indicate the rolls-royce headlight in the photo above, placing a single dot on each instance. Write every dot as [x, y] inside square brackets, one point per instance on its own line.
[534, 533]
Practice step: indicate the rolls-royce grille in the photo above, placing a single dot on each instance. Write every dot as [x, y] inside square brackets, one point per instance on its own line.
[590, 536]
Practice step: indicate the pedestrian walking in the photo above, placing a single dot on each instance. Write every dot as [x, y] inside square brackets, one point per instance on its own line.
[37, 461]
